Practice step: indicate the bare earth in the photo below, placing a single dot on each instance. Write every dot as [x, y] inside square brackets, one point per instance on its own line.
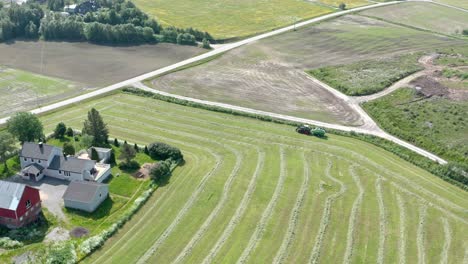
[93, 65]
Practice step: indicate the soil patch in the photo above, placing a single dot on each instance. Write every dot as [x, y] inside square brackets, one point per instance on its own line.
[57, 234]
[428, 87]
[79, 232]
[144, 172]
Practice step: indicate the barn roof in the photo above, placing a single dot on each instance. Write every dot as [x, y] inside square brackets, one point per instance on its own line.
[10, 194]
[82, 191]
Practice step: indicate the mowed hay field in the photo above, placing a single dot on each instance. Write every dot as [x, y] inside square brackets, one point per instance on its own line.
[90, 64]
[457, 3]
[348, 3]
[258, 192]
[226, 19]
[270, 74]
[23, 90]
[427, 16]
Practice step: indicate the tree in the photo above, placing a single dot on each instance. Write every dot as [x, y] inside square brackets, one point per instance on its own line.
[127, 153]
[146, 150]
[25, 127]
[206, 44]
[160, 170]
[465, 32]
[31, 30]
[69, 132]
[68, 149]
[95, 126]
[55, 5]
[7, 145]
[112, 157]
[162, 151]
[342, 6]
[60, 130]
[116, 143]
[137, 149]
[94, 154]
[318, 132]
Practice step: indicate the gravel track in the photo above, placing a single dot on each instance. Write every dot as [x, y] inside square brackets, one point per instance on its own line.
[421, 234]
[353, 217]
[260, 228]
[402, 238]
[292, 224]
[315, 256]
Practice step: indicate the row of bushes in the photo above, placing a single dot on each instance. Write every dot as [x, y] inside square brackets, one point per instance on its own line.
[453, 172]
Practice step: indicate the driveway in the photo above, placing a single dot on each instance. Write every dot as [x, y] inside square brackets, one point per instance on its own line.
[51, 191]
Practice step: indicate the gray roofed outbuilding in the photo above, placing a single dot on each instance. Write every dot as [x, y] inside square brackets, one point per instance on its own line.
[86, 196]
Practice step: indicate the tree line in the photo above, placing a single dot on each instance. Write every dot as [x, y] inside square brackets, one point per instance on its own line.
[115, 22]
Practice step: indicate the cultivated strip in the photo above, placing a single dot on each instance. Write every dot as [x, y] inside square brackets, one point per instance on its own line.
[447, 243]
[258, 233]
[402, 239]
[353, 216]
[292, 225]
[205, 226]
[420, 234]
[382, 221]
[315, 256]
[239, 211]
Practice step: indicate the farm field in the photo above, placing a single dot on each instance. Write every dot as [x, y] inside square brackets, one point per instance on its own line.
[348, 3]
[427, 16]
[25, 90]
[253, 191]
[92, 65]
[229, 19]
[457, 3]
[270, 74]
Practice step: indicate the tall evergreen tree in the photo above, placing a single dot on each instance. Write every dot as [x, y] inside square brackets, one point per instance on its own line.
[95, 126]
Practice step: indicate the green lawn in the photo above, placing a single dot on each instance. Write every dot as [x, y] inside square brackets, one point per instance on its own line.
[259, 192]
[25, 90]
[426, 16]
[370, 76]
[436, 124]
[228, 19]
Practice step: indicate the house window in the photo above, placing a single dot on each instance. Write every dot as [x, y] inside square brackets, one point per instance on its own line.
[60, 172]
[32, 160]
[25, 159]
[28, 204]
[21, 219]
[39, 161]
[67, 173]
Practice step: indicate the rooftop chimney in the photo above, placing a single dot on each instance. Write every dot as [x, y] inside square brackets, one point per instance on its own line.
[41, 145]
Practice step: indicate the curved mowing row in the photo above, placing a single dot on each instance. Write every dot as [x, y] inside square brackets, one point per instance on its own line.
[257, 192]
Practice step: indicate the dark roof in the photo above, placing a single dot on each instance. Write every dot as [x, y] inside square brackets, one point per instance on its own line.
[82, 191]
[71, 164]
[33, 150]
[33, 168]
[10, 194]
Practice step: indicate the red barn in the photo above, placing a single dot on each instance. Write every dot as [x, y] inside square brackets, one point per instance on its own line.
[19, 204]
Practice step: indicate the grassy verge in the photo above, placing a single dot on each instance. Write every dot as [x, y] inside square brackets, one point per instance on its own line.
[369, 76]
[450, 173]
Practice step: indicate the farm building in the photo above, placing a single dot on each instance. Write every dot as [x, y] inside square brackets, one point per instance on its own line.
[39, 160]
[85, 196]
[19, 204]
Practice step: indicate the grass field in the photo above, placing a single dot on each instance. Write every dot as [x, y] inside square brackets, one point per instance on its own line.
[437, 124]
[427, 16]
[228, 19]
[252, 191]
[457, 3]
[270, 74]
[93, 65]
[25, 90]
[348, 3]
[368, 77]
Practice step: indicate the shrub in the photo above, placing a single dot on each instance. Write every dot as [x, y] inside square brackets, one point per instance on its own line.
[8, 243]
[68, 149]
[60, 130]
[129, 165]
[342, 6]
[94, 154]
[112, 157]
[162, 151]
[116, 143]
[61, 253]
[137, 149]
[146, 150]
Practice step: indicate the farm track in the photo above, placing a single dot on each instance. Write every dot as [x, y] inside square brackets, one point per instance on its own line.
[353, 217]
[402, 235]
[210, 238]
[260, 228]
[420, 239]
[292, 224]
[382, 221]
[239, 211]
[315, 256]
